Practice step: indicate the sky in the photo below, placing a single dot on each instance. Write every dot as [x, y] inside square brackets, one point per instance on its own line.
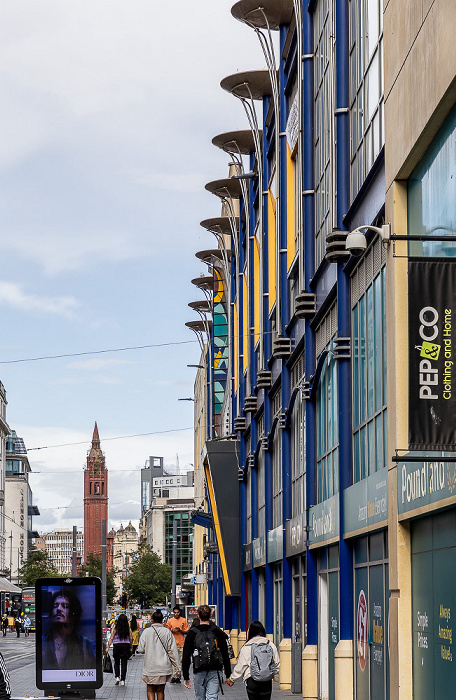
[108, 111]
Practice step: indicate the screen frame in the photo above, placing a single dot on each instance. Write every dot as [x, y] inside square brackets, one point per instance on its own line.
[68, 583]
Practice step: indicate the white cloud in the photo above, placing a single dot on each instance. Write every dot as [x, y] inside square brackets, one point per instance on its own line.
[13, 295]
[57, 478]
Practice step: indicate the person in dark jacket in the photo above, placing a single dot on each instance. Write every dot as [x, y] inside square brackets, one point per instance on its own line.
[5, 688]
[206, 680]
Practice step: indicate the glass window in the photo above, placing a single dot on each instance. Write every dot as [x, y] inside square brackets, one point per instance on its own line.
[366, 88]
[369, 365]
[248, 500]
[261, 495]
[298, 461]
[432, 194]
[327, 431]
[322, 125]
[277, 478]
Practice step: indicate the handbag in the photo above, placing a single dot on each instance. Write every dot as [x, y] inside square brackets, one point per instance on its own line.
[107, 664]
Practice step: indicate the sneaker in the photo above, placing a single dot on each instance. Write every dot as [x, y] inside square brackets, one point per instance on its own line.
[117, 681]
[122, 682]
[177, 680]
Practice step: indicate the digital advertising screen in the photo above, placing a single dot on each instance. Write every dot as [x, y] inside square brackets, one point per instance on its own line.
[68, 633]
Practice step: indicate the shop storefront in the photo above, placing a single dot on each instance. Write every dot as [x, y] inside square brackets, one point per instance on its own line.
[275, 556]
[424, 488]
[365, 520]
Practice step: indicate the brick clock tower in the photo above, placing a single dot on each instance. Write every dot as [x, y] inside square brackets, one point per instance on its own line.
[95, 497]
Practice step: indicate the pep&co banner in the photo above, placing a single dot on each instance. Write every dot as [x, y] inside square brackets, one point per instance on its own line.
[432, 340]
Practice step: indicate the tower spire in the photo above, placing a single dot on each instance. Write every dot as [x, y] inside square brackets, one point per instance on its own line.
[96, 437]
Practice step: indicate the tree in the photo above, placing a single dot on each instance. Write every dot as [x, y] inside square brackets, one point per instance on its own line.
[148, 578]
[37, 565]
[93, 567]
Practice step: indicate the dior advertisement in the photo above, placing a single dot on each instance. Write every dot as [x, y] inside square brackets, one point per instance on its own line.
[432, 339]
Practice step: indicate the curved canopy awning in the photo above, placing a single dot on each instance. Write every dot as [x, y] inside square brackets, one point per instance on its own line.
[199, 325]
[207, 256]
[254, 12]
[201, 305]
[219, 224]
[225, 187]
[251, 83]
[236, 141]
[203, 282]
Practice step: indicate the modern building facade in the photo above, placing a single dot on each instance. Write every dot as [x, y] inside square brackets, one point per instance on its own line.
[19, 508]
[125, 546]
[4, 431]
[95, 497]
[59, 546]
[332, 428]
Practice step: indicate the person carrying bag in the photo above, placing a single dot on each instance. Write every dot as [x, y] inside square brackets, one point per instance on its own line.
[257, 664]
[161, 657]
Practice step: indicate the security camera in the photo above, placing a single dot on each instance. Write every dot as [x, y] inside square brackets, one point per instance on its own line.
[356, 243]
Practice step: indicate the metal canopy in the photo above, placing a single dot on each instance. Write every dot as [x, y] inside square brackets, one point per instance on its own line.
[219, 224]
[255, 84]
[199, 325]
[227, 186]
[236, 141]
[253, 12]
[201, 305]
[203, 282]
[207, 255]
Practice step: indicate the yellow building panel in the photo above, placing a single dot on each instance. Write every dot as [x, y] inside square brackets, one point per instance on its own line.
[271, 249]
[291, 214]
[245, 335]
[256, 281]
[236, 348]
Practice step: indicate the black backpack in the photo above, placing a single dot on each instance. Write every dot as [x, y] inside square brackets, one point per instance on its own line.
[206, 656]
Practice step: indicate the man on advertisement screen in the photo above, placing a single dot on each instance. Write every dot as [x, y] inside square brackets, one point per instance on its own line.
[68, 640]
[63, 646]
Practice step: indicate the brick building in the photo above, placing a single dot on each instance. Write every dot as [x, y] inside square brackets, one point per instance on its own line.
[95, 497]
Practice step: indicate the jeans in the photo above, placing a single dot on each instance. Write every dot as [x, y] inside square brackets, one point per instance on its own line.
[206, 685]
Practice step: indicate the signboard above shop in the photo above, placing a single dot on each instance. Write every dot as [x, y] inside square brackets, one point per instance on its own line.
[324, 522]
[425, 485]
[366, 504]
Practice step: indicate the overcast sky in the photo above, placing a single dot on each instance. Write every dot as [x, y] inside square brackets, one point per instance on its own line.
[108, 111]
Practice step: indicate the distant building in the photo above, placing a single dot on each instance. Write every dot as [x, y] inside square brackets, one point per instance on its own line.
[172, 498]
[4, 430]
[19, 508]
[125, 545]
[95, 497]
[59, 546]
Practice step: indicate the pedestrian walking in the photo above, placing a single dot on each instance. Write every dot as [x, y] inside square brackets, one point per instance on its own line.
[179, 628]
[257, 664]
[161, 657]
[4, 624]
[205, 644]
[18, 626]
[27, 625]
[5, 687]
[121, 641]
[135, 633]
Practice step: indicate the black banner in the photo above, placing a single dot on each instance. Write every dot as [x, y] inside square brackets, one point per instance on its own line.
[432, 340]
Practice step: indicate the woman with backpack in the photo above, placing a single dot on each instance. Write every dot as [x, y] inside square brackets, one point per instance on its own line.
[257, 664]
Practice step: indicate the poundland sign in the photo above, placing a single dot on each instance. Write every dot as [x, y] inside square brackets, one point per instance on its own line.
[425, 485]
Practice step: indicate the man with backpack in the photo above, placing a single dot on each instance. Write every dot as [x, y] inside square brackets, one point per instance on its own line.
[205, 644]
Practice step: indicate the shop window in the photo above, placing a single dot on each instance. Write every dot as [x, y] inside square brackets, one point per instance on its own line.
[432, 194]
[371, 617]
[369, 364]
[328, 601]
[366, 88]
[278, 603]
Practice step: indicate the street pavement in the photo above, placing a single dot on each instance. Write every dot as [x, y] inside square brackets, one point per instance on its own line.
[19, 655]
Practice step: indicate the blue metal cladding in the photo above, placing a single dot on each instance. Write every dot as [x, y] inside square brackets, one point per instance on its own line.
[343, 315]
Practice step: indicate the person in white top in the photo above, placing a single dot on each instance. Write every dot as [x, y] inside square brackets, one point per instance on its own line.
[161, 657]
[256, 690]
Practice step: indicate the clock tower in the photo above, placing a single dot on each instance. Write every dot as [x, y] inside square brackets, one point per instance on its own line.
[95, 497]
